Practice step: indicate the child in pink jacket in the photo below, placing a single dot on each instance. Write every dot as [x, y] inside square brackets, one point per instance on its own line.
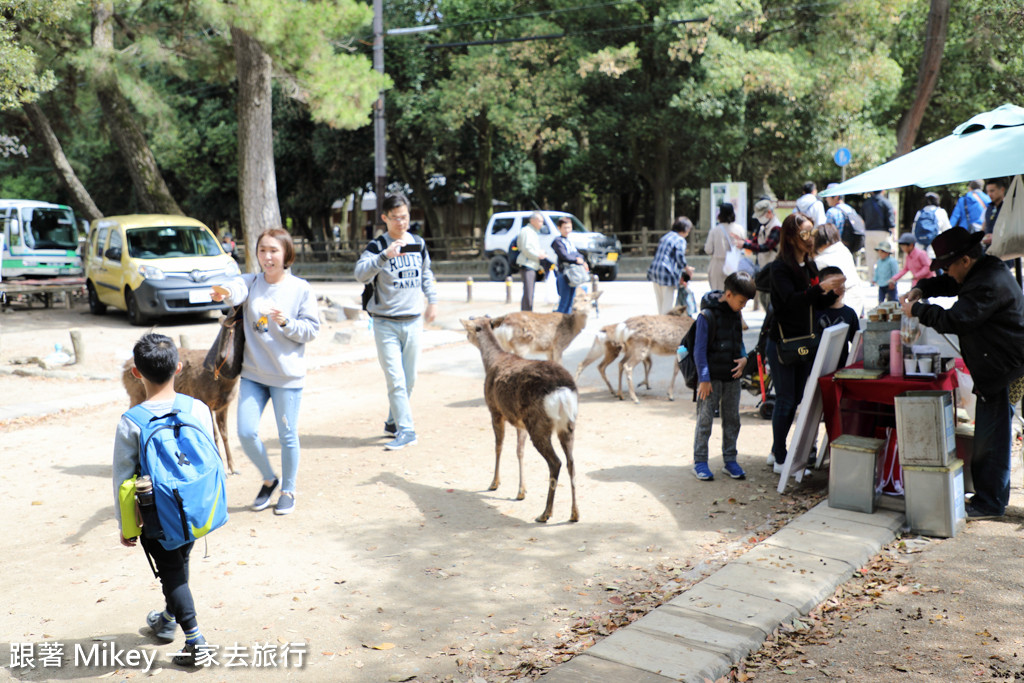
[916, 261]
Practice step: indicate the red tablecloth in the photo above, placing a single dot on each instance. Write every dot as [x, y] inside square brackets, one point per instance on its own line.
[881, 390]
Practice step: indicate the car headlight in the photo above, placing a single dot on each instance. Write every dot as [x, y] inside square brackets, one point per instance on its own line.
[151, 273]
[232, 269]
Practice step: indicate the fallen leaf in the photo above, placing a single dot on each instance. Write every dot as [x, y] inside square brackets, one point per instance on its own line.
[382, 646]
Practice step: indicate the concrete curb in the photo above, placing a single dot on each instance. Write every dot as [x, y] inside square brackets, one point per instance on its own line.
[706, 630]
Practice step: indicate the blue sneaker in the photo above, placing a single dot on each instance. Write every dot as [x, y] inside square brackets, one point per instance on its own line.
[402, 439]
[734, 470]
[285, 504]
[703, 472]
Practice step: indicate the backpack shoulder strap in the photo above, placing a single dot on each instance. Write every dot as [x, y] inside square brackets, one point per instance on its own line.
[183, 403]
[139, 415]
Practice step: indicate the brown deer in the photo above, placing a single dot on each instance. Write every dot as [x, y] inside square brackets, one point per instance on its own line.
[197, 382]
[526, 332]
[650, 334]
[536, 397]
[610, 342]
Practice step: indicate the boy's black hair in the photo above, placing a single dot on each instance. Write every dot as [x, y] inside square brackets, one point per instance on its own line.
[830, 270]
[393, 201]
[742, 283]
[156, 357]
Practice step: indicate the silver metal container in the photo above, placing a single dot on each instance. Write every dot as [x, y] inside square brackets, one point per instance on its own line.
[935, 499]
[854, 473]
[926, 428]
[876, 338]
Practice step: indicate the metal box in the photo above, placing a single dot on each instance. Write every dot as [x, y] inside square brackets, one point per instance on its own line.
[854, 473]
[965, 452]
[926, 428]
[876, 336]
[935, 499]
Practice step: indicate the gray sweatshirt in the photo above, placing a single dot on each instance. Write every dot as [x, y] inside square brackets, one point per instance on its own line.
[275, 356]
[401, 282]
[126, 442]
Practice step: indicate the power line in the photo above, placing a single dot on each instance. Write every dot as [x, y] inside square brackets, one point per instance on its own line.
[555, 36]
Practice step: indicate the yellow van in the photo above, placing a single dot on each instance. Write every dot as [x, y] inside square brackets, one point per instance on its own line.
[153, 265]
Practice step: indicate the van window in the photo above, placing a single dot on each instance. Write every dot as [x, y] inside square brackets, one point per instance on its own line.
[502, 225]
[49, 229]
[171, 242]
[101, 240]
[115, 240]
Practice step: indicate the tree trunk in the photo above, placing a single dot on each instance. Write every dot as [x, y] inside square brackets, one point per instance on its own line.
[153, 195]
[416, 179]
[659, 177]
[257, 182]
[927, 75]
[44, 133]
[484, 172]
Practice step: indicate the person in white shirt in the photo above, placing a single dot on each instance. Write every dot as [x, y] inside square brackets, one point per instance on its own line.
[809, 204]
[829, 250]
[721, 239]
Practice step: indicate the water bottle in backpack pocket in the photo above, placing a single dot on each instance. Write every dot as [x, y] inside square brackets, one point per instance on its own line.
[189, 488]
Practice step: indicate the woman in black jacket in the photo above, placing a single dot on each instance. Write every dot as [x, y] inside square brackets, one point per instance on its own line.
[795, 293]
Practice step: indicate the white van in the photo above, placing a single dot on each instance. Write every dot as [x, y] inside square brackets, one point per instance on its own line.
[39, 240]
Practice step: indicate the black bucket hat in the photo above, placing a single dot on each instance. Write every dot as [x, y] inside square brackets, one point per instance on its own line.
[951, 245]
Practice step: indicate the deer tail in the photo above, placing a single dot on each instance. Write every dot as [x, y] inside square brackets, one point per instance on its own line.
[620, 334]
[561, 405]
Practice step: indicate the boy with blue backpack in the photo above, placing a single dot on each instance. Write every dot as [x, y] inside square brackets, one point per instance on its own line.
[167, 441]
[720, 357]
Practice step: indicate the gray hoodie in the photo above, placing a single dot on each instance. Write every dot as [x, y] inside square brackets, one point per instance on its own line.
[400, 283]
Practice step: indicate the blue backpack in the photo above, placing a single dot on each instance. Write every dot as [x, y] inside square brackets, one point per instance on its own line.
[189, 485]
[926, 227]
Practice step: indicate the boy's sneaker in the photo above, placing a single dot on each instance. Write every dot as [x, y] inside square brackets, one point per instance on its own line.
[263, 497]
[703, 472]
[162, 629]
[193, 654]
[777, 467]
[401, 440]
[390, 429]
[285, 504]
[734, 470]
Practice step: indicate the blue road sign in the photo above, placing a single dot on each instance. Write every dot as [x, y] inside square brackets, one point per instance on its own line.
[842, 156]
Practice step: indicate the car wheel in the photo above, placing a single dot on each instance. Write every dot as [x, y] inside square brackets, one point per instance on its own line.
[96, 307]
[135, 316]
[498, 268]
[608, 274]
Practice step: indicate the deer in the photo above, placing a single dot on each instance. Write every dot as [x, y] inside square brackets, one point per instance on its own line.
[526, 332]
[538, 398]
[196, 381]
[610, 341]
[650, 334]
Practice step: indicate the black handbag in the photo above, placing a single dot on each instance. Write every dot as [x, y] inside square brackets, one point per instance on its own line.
[224, 359]
[798, 349]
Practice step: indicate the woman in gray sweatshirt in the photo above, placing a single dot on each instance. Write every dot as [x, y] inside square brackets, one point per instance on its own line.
[280, 315]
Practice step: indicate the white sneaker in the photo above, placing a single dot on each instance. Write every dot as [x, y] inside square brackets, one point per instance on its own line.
[770, 459]
[776, 467]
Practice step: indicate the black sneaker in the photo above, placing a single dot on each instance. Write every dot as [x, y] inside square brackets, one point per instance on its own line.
[263, 497]
[976, 515]
[194, 654]
[390, 429]
[162, 629]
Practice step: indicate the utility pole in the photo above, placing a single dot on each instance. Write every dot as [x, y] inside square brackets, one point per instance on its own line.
[380, 162]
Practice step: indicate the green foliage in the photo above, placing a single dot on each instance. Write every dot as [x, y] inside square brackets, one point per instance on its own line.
[20, 78]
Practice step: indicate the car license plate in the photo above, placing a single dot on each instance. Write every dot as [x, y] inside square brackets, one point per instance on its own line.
[613, 256]
[199, 296]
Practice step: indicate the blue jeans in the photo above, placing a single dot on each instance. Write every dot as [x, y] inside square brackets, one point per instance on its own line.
[398, 350]
[788, 381]
[990, 461]
[252, 399]
[729, 394]
[565, 294]
[884, 293]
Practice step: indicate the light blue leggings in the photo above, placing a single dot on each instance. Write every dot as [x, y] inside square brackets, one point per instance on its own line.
[252, 399]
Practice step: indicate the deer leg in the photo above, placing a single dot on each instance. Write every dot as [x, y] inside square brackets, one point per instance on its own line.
[627, 367]
[220, 424]
[672, 382]
[610, 353]
[520, 447]
[592, 355]
[647, 373]
[498, 423]
[566, 438]
[540, 435]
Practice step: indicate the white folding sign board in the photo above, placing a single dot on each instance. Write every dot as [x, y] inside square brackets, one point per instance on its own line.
[808, 417]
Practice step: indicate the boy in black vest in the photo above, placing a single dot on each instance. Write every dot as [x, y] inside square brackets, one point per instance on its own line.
[720, 357]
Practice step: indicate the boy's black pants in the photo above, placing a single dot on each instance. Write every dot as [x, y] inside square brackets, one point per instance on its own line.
[172, 566]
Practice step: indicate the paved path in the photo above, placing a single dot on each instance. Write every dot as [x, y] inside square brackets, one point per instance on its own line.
[705, 631]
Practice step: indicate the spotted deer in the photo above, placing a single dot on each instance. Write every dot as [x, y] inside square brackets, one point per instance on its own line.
[526, 332]
[642, 335]
[196, 381]
[538, 398]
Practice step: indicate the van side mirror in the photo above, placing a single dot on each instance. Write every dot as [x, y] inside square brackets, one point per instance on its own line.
[114, 254]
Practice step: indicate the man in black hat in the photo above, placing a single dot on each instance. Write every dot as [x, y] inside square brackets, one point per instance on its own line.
[988, 317]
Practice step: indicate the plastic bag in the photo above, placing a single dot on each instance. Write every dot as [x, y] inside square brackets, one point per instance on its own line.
[732, 261]
[1008, 233]
[965, 397]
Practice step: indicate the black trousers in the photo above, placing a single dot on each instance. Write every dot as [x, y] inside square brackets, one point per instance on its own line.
[172, 566]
